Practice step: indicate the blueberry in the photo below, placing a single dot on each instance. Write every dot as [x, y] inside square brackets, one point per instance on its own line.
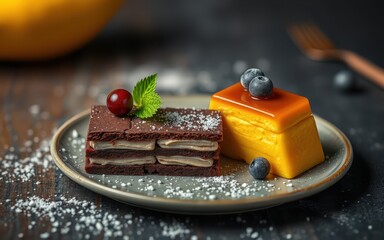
[261, 87]
[344, 81]
[259, 168]
[248, 75]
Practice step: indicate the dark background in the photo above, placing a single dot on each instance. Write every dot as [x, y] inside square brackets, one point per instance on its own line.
[201, 47]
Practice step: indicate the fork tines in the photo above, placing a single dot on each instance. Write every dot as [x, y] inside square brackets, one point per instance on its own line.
[308, 35]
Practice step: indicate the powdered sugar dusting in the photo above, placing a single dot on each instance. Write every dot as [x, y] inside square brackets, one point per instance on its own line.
[86, 215]
[15, 166]
[192, 120]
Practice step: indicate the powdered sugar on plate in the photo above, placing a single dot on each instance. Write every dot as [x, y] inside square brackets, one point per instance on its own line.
[234, 183]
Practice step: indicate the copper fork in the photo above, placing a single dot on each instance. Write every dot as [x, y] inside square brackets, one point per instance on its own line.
[315, 45]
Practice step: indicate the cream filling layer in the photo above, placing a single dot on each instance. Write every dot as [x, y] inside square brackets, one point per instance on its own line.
[182, 160]
[199, 145]
[124, 161]
[122, 144]
[165, 160]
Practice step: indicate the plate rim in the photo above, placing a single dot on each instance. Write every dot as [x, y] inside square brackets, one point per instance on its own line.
[212, 206]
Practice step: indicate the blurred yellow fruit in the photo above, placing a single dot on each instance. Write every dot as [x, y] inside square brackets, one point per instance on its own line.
[36, 30]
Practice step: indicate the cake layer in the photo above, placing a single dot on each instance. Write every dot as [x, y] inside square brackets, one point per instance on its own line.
[123, 153]
[199, 145]
[182, 160]
[124, 161]
[165, 160]
[123, 144]
[157, 168]
[167, 123]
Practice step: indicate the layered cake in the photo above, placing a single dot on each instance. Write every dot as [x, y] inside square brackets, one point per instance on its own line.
[280, 128]
[179, 142]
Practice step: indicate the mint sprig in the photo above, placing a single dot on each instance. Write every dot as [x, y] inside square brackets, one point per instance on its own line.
[146, 100]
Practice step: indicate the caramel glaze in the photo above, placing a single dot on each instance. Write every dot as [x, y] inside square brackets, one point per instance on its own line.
[282, 110]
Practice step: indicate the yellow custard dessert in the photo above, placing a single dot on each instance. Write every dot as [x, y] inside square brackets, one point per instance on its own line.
[281, 129]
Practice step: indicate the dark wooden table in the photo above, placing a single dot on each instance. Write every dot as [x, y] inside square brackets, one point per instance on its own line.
[194, 49]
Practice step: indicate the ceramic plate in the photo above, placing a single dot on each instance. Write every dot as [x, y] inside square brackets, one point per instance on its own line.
[234, 191]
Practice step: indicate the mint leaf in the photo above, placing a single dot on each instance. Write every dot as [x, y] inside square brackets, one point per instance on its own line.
[144, 86]
[146, 100]
[150, 103]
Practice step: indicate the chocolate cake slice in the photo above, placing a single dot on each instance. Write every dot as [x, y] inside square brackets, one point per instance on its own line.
[175, 141]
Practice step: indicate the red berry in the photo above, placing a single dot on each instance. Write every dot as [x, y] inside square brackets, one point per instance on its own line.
[120, 102]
